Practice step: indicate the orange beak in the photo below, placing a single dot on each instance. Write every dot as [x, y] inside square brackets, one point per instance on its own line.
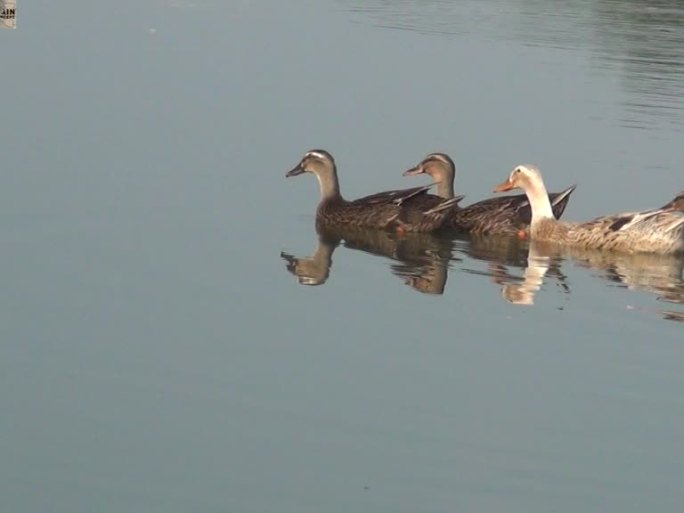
[505, 186]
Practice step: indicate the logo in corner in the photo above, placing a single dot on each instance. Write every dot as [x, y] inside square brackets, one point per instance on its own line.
[8, 13]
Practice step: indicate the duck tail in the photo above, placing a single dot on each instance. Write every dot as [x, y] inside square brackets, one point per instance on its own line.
[560, 200]
[444, 205]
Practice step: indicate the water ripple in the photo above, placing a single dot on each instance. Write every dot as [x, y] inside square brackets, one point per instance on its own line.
[520, 269]
[641, 43]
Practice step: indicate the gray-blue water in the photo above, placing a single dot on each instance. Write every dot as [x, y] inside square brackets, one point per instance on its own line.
[158, 356]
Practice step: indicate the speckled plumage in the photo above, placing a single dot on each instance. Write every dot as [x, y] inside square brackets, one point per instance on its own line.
[499, 215]
[410, 210]
[658, 230]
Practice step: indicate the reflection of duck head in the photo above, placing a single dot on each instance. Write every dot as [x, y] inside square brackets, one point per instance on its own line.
[315, 269]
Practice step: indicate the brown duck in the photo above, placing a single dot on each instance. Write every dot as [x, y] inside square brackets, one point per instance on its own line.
[500, 215]
[406, 210]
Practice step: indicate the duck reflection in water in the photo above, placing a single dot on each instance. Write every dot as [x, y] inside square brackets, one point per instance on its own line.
[519, 267]
[421, 260]
[523, 292]
[660, 275]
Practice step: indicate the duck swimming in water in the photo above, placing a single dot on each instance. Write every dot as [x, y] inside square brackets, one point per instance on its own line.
[500, 215]
[409, 210]
[659, 230]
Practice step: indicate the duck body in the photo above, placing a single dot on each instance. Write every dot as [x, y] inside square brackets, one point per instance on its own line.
[406, 210]
[658, 230]
[655, 231]
[500, 215]
[411, 210]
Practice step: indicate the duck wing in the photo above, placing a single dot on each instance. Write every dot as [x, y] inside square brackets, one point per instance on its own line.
[558, 200]
[406, 209]
[504, 214]
[492, 215]
[651, 231]
[397, 196]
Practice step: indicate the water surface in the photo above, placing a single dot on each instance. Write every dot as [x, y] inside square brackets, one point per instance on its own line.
[159, 355]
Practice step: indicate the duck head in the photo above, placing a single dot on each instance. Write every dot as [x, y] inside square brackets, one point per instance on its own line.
[438, 165]
[318, 162]
[528, 178]
[524, 176]
[440, 168]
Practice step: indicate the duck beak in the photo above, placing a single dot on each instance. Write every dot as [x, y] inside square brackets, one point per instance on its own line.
[417, 170]
[505, 186]
[297, 170]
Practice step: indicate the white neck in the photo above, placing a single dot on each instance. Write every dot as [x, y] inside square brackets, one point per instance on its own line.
[539, 202]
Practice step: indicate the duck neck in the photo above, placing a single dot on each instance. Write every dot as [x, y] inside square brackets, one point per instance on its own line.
[323, 255]
[320, 263]
[445, 187]
[330, 186]
[539, 203]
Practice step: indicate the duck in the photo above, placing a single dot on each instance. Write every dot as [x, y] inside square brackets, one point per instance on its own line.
[405, 210]
[659, 230]
[500, 215]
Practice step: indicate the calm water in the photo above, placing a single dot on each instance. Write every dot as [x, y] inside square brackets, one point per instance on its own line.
[157, 352]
